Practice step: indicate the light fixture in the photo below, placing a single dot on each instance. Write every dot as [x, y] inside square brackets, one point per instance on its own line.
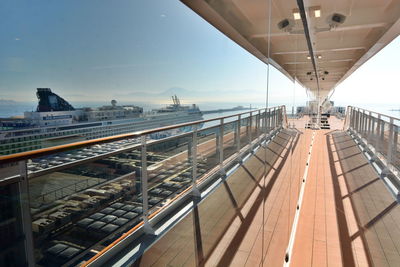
[308, 57]
[315, 11]
[296, 14]
[319, 56]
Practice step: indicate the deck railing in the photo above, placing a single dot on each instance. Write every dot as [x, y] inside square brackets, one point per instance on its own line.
[380, 132]
[118, 185]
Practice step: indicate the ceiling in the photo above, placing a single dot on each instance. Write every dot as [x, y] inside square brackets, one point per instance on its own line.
[339, 48]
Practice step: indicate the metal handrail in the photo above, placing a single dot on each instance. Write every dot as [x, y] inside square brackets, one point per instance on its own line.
[60, 148]
[367, 110]
[370, 126]
[273, 120]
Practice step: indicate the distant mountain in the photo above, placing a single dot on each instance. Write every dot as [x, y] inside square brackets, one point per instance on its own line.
[7, 102]
[176, 91]
[169, 92]
[187, 95]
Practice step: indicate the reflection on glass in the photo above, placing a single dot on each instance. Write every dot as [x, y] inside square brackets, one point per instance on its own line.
[84, 205]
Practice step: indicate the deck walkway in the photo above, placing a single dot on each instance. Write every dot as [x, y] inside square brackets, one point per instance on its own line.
[347, 217]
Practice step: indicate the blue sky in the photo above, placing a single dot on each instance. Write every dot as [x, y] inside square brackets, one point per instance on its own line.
[102, 50]
[376, 82]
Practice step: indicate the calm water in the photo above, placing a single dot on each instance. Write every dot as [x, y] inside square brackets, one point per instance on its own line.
[18, 109]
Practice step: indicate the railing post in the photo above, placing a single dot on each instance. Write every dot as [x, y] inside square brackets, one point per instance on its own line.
[238, 134]
[250, 125]
[26, 212]
[382, 134]
[370, 118]
[372, 133]
[395, 143]
[390, 142]
[221, 147]
[273, 119]
[258, 125]
[377, 132]
[350, 118]
[362, 123]
[362, 127]
[264, 124]
[346, 118]
[195, 190]
[145, 201]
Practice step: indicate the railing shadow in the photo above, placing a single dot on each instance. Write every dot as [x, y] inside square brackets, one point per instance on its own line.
[234, 244]
[359, 181]
[208, 222]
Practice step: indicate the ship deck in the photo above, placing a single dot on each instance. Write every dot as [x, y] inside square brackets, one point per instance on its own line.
[347, 216]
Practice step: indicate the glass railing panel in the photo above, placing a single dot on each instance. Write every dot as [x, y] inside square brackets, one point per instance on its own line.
[230, 139]
[175, 248]
[244, 132]
[215, 215]
[169, 169]
[207, 150]
[84, 199]
[13, 238]
[262, 122]
[81, 200]
[254, 126]
[379, 131]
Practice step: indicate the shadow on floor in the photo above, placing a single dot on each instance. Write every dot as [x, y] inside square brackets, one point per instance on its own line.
[375, 210]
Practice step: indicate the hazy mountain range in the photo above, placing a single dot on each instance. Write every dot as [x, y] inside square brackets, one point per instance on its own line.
[187, 96]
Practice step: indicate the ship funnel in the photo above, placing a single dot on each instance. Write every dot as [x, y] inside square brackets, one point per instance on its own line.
[49, 101]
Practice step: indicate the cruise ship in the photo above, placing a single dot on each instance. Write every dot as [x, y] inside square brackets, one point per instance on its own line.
[257, 188]
[57, 122]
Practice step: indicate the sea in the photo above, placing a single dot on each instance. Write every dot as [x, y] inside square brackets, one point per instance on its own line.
[18, 108]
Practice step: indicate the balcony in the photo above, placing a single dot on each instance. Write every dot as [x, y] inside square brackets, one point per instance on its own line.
[252, 188]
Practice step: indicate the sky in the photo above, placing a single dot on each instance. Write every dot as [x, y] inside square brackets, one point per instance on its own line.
[375, 82]
[144, 50]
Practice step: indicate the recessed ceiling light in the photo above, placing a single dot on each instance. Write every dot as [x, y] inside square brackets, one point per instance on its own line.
[317, 13]
[296, 15]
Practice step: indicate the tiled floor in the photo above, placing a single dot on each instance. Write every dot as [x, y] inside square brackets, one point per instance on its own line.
[317, 239]
[347, 216]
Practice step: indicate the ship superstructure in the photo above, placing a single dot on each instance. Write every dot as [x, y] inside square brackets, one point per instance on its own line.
[57, 122]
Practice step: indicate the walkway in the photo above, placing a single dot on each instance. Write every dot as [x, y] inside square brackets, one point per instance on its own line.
[347, 217]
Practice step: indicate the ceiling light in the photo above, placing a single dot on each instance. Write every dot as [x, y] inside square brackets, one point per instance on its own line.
[317, 13]
[319, 56]
[308, 57]
[296, 15]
